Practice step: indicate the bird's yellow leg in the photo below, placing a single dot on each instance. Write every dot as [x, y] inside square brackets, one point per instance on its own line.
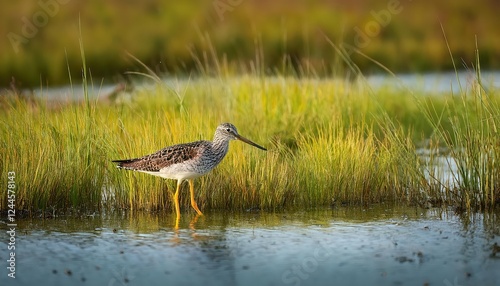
[176, 203]
[176, 227]
[193, 202]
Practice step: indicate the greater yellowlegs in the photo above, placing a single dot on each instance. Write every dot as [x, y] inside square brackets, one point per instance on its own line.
[187, 161]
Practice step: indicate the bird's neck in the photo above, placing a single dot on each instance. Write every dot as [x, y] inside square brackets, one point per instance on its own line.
[220, 147]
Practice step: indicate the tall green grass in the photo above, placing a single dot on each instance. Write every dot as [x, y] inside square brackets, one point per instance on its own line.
[330, 142]
[468, 128]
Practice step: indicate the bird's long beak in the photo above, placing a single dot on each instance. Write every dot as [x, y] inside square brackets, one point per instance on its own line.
[239, 137]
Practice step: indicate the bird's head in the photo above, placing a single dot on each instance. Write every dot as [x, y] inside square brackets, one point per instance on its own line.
[229, 131]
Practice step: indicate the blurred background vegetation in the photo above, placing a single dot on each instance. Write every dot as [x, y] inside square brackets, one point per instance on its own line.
[40, 43]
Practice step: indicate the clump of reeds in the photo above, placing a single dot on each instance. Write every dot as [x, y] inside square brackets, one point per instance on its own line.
[468, 127]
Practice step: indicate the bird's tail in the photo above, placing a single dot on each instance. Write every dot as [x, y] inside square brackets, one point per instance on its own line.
[125, 164]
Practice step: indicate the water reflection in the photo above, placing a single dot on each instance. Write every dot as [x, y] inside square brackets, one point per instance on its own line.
[388, 244]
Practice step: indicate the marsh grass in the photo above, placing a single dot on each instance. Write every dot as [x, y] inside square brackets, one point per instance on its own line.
[468, 127]
[331, 142]
[54, 158]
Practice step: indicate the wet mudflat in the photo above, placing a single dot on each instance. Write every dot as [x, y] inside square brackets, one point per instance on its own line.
[379, 245]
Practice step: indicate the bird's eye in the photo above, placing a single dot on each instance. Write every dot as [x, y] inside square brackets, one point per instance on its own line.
[227, 129]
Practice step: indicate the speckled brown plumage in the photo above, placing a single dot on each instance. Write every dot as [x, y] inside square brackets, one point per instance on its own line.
[163, 158]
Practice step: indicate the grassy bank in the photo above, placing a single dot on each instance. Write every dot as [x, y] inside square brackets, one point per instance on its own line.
[330, 142]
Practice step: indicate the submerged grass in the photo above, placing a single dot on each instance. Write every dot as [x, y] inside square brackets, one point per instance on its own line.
[330, 142]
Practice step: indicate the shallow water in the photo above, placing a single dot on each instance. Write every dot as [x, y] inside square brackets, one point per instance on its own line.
[381, 245]
[432, 83]
[436, 82]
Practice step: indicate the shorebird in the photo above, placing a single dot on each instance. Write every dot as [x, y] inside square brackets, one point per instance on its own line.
[187, 161]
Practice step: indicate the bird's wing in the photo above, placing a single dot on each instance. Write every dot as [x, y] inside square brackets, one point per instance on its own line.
[163, 158]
